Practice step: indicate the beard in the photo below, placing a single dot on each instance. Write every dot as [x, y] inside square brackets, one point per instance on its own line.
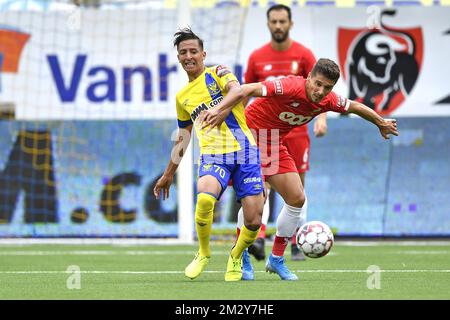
[280, 37]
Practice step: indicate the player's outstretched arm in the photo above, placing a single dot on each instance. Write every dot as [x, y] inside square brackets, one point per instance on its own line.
[386, 126]
[236, 93]
[181, 143]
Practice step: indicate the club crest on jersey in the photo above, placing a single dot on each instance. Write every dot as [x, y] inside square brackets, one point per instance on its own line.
[221, 71]
[212, 86]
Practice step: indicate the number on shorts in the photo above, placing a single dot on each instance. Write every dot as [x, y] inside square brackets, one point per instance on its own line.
[220, 171]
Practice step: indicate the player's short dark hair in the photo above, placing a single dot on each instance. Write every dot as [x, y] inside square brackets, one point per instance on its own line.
[327, 68]
[279, 7]
[186, 34]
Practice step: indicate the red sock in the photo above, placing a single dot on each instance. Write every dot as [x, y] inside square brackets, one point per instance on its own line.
[294, 238]
[279, 245]
[238, 232]
[262, 231]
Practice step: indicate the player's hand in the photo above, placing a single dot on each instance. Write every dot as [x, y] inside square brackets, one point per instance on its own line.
[205, 114]
[320, 127]
[387, 127]
[213, 118]
[163, 186]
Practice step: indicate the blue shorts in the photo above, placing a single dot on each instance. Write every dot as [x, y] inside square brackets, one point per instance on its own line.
[245, 172]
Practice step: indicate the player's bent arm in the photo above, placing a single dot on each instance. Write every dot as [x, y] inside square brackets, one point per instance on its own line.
[256, 89]
[233, 97]
[237, 93]
[181, 143]
[386, 126]
[245, 101]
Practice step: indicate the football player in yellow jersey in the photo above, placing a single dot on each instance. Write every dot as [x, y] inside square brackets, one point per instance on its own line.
[229, 153]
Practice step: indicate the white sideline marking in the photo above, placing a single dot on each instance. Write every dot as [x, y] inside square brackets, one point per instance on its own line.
[174, 241]
[406, 243]
[108, 252]
[221, 271]
[89, 241]
[423, 252]
[100, 252]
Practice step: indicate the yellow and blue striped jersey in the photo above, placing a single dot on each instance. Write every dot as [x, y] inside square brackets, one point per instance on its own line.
[206, 92]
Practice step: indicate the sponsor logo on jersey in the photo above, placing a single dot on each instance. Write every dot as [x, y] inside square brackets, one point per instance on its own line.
[278, 87]
[204, 106]
[207, 167]
[341, 102]
[294, 119]
[252, 179]
[267, 67]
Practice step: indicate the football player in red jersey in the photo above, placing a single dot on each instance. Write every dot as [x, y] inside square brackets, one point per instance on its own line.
[284, 104]
[283, 56]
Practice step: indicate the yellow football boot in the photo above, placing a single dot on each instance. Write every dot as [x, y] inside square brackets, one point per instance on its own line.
[234, 269]
[196, 267]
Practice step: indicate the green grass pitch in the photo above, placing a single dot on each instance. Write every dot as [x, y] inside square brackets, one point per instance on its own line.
[352, 271]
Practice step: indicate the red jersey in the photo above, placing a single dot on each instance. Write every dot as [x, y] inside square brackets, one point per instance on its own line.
[267, 63]
[285, 105]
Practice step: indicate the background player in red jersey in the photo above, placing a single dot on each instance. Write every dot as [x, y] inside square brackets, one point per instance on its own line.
[283, 105]
[283, 56]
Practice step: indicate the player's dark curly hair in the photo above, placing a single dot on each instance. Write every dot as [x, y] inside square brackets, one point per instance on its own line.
[186, 34]
[328, 68]
[279, 7]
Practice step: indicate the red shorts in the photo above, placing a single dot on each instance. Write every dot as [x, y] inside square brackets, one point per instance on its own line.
[282, 154]
[298, 145]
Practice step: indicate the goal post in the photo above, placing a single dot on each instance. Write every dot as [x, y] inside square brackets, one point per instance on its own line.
[185, 174]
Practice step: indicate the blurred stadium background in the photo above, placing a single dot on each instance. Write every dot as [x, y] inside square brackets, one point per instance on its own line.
[87, 94]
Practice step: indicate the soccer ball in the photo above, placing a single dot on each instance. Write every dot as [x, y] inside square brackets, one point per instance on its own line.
[315, 239]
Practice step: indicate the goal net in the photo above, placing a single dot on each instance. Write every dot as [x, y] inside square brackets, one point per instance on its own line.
[87, 94]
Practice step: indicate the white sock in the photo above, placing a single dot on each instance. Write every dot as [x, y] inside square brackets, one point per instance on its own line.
[266, 210]
[240, 218]
[303, 213]
[287, 221]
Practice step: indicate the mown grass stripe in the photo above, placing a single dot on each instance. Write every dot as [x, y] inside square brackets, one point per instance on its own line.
[221, 271]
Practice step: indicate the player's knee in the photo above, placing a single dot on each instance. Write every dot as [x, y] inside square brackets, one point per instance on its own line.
[297, 199]
[205, 201]
[254, 225]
